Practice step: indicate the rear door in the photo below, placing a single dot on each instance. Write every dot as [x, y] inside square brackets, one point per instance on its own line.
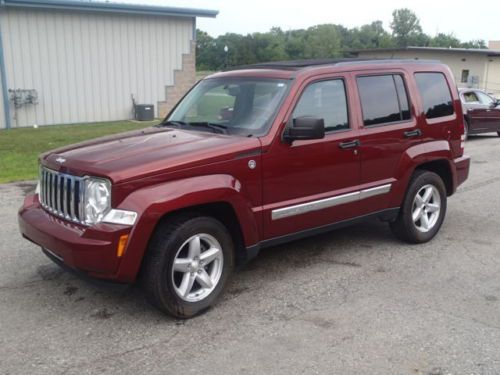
[308, 183]
[387, 128]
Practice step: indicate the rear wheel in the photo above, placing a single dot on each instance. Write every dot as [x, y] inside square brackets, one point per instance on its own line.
[187, 265]
[498, 134]
[423, 209]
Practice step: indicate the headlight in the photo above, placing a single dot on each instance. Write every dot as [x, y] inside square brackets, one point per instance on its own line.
[97, 200]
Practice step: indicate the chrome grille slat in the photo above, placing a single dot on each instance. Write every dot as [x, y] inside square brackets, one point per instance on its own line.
[61, 194]
[65, 197]
[72, 198]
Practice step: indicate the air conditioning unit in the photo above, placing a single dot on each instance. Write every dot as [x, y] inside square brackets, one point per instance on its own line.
[144, 112]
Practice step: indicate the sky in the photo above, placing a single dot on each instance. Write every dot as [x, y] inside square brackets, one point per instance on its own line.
[447, 16]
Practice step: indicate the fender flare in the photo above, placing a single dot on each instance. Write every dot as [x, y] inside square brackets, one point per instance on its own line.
[412, 158]
[154, 202]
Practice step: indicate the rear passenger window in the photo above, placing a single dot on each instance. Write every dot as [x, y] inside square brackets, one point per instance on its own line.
[435, 93]
[383, 99]
[326, 100]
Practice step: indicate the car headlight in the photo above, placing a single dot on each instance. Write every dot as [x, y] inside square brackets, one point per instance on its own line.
[97, 200]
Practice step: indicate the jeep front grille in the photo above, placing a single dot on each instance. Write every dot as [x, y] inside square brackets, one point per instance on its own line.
[62, 194]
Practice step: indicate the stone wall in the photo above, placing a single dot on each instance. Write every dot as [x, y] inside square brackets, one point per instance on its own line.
[184, 79]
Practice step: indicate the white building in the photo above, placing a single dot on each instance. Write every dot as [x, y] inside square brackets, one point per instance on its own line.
[479, 68]
[76, 61]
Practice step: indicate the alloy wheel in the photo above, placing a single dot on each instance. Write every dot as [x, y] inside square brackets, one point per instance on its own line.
[426, 208]
[197, 267]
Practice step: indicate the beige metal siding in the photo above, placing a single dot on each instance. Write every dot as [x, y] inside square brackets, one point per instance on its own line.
[85, 66]
[457, 62]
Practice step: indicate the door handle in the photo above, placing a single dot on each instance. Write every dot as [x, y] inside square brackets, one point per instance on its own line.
[413, 133]
[349, 144]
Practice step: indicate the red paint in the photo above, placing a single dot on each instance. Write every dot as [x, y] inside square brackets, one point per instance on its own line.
[160, 170]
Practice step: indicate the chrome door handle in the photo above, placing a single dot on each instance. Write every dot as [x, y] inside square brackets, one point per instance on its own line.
[413, 133]
[349, 144]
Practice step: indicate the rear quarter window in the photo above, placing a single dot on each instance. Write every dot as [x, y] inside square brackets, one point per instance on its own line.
[435, 94]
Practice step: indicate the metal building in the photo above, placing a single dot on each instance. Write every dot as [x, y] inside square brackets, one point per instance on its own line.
[64, 61]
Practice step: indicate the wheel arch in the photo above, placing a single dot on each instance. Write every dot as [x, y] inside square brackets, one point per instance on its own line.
[433, 156]
[219, 196]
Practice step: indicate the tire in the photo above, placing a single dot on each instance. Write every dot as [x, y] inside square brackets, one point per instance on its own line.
[466, 129]
[186, 292]
[498, 133]
[421, 230]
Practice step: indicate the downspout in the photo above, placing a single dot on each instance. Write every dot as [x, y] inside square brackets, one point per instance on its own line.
[3, 77]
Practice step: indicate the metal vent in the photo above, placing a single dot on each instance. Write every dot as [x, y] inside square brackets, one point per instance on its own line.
[62, 194]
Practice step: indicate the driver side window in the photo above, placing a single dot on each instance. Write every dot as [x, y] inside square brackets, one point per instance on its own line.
[326, 100]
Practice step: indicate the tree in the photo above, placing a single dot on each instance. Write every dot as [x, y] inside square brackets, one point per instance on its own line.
[445, 40]
[405, 27]
[322, 41]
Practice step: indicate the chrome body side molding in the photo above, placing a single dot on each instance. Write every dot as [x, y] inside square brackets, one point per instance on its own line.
[321, 204]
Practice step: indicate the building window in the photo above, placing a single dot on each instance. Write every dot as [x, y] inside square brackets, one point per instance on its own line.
[465, 76]
[383, 99]
[435, 93]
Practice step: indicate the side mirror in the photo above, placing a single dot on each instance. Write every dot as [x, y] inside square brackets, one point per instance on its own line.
[304, 128]
[495, 103]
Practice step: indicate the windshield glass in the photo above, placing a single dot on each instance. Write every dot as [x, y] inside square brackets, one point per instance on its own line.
[243, 106]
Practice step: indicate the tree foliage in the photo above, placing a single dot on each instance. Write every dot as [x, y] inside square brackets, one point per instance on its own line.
[320, 41]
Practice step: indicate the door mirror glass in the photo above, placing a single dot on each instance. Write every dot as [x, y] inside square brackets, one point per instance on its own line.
[304, 128]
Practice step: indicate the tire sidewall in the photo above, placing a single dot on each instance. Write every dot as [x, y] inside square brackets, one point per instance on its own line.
[164, 286]
[426, 178]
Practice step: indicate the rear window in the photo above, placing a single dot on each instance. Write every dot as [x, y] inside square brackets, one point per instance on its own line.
[383, 99]
[435, 93]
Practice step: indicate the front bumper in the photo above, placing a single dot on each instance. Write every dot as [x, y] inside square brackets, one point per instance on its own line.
[91, 250]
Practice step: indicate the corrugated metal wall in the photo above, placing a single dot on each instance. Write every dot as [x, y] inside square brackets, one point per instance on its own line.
[85, 66]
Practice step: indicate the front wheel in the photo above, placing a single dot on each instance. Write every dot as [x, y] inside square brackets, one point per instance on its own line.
[187, 265]
[423, 209]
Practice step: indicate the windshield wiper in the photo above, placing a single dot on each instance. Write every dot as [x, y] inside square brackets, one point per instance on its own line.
[218, 127]
[171, 123]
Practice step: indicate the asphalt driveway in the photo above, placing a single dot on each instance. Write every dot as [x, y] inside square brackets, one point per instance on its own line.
[352, 301]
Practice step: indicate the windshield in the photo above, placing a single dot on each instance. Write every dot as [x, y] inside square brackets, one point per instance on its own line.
[243, 106]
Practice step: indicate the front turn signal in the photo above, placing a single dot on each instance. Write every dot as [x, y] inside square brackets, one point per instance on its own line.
[122, 244]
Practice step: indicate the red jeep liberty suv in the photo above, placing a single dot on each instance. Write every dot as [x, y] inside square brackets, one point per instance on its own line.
[252, 158]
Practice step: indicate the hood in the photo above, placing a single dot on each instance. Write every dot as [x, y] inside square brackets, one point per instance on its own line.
[143, 153]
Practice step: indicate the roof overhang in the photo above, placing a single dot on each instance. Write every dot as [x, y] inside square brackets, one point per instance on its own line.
[94, 6]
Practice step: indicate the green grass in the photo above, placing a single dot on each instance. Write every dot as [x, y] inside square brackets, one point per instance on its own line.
[19, 148]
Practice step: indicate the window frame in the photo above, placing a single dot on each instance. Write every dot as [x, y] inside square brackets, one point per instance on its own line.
[435, 120]
[289, 122]
[408, 98]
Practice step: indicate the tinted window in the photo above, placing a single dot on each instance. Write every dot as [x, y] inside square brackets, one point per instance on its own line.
[383, 99]
[326, 100]
[435, 93]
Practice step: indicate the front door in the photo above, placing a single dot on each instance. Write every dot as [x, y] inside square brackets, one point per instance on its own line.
[308, 184]
[491, 112]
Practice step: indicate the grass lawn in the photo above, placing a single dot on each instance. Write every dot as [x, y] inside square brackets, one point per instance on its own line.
[19, 148]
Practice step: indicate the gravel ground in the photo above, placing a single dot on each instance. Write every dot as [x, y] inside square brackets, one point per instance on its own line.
[352, 301]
